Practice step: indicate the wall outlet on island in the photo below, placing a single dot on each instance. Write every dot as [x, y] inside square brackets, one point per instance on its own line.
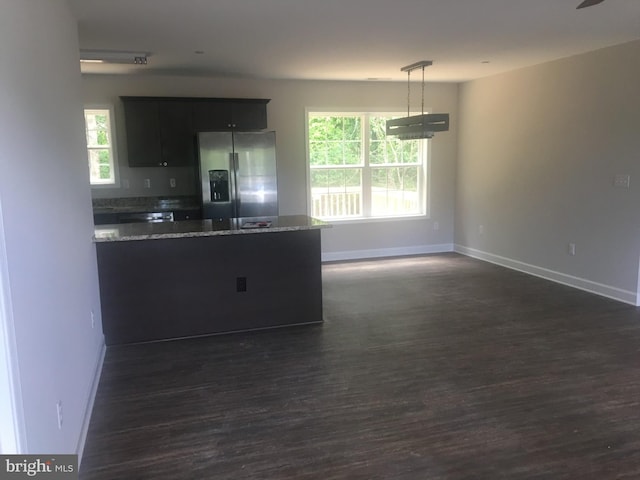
[571, 249]
[147, 183]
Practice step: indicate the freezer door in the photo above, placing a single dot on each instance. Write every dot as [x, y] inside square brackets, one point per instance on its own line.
[255, 175]
[216, 174]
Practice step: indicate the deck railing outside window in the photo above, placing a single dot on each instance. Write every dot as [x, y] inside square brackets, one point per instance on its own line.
[347, 204]
[356, 171]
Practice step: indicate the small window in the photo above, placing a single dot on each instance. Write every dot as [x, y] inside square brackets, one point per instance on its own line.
[357, 172]
[100, 148]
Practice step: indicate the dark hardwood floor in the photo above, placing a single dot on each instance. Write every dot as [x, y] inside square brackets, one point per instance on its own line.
[431, 367]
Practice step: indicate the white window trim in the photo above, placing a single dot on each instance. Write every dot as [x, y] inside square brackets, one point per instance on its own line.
[114, 145]
[344, 221]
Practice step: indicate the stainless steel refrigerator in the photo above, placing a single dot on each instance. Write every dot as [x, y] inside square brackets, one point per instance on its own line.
[238, 174]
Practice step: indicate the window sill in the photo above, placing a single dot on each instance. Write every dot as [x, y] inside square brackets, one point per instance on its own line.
[106, 185]
[347, 221]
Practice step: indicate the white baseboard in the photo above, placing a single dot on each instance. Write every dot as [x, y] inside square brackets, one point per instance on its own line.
[558, 277]
[386, 252]
[90, 402]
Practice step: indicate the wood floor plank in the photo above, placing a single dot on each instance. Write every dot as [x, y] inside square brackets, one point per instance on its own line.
[429, 367]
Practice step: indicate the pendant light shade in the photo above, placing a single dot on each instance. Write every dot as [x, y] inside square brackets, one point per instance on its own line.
[414, 127]
[418, 126]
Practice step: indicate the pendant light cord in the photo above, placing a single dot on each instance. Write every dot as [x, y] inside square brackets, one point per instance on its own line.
[408, 69]
[423, 90]
[408, 93]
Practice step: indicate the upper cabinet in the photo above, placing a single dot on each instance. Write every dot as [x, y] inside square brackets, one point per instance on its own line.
[161, 131]
[210, 115]
[176, 133]
[142, 124]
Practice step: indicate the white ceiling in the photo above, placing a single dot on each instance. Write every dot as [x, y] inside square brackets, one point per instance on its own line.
[349, 39]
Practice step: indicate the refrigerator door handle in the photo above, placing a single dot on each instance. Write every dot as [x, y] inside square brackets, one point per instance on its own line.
[235, 195]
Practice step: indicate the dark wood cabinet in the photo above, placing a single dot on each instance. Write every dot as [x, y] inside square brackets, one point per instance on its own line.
[177, 136]
[222, 114]
[142, 125]
[249, 116]
[181, 287]
[105, 218]
[161, 131]
[211, 116]
[192, 214]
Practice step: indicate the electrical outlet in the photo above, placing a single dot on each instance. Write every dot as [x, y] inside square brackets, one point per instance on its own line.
[125, 183]
[436, 226]
[93, 319]
[571, 249]
[147, 183]
[59, 412]
[622, 180]
[481, 229]
[172, 182]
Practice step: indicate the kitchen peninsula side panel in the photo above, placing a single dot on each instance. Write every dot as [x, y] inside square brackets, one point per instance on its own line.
[181, 287]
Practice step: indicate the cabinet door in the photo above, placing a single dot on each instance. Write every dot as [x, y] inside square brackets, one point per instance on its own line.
[177, 137]
[193, 214]
[249, 116]
[217, 115]
[105, 218]
[143, 135]
[211, 116]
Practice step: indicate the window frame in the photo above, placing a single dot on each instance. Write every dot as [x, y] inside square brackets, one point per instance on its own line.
[425, 181]
[112, 145]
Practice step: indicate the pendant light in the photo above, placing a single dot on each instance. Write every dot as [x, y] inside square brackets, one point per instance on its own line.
[417, 126]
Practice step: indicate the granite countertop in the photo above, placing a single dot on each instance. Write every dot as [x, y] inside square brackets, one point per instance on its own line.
[204, 228]
[145, 204]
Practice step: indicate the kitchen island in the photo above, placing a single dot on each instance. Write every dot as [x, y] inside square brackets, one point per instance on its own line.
[167, 280]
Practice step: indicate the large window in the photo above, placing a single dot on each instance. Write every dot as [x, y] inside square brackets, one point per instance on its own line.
[100, 146]
[357, 172]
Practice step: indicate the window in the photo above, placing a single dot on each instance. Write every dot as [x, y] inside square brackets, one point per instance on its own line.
[100, 146]
[357, 172]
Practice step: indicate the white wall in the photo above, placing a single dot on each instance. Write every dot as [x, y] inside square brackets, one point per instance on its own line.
[286, 115]
[48, 263]
[538, 152]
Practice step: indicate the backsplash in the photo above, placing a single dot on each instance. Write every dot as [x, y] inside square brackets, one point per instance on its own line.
[150, 182]
[148, 203]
